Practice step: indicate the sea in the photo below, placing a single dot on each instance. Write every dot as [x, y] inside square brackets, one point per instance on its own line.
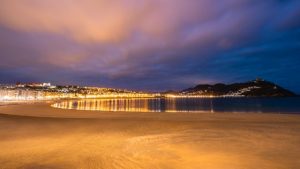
[284, 105]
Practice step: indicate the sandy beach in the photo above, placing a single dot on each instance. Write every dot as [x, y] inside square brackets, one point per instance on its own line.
[35, 136]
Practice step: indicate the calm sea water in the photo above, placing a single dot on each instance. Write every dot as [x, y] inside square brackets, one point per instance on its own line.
[258, 105]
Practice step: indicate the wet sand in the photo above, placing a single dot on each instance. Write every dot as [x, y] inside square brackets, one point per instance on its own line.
[35, 136]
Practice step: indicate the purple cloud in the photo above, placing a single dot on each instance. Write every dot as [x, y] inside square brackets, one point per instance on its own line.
[157, 44]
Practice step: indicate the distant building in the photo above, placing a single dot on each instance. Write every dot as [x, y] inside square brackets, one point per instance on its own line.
[18, 84]
[259, 79]
[33, 84]
[46, 84]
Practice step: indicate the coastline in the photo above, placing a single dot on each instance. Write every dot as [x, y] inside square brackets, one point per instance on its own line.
[39, 136]
[45, 109]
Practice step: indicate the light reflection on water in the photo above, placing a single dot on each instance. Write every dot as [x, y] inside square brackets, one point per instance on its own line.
[261, 105]
[134, 105]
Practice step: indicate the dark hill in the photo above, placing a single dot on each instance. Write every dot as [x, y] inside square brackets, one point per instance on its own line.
[255, 88]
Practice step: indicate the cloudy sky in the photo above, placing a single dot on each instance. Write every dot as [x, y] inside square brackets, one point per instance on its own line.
[150, 44]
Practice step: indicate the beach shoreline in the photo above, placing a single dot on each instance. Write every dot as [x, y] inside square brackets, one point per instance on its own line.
[40, 136]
